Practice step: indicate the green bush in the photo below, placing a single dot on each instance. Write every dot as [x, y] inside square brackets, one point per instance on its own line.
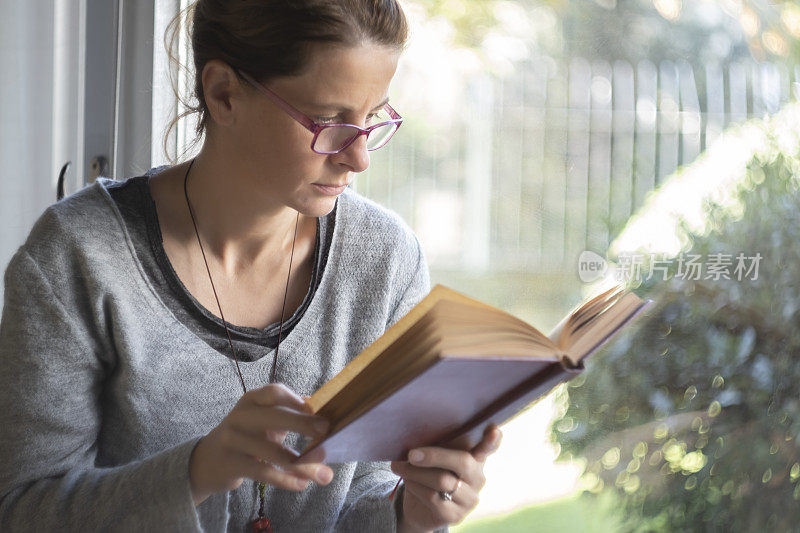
[693, 418]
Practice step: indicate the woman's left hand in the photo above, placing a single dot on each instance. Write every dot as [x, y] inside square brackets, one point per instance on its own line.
[437, 472]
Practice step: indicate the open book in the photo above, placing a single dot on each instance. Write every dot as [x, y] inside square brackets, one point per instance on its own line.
[451, 367]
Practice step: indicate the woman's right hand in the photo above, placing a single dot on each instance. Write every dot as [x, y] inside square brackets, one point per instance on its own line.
[248, 443]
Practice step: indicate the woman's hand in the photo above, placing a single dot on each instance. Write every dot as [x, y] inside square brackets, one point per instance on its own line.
[440, 471]
[248, 443]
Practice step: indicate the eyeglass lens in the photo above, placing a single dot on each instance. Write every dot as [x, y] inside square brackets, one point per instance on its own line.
[335, 138]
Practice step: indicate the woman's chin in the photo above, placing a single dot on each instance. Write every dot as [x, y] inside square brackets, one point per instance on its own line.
[318, 207]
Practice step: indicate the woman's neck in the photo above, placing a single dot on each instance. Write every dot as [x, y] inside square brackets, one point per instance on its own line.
[239, 226]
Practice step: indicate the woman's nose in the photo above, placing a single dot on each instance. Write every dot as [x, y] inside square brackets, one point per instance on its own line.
[355, 156]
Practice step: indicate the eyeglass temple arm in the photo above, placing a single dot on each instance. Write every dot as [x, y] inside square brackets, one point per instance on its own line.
[393, 113]
[309, 124]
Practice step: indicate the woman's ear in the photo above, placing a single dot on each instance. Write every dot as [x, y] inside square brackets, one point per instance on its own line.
[221, 90]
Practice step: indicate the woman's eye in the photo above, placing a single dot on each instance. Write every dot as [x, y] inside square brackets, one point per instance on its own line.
[336, 120]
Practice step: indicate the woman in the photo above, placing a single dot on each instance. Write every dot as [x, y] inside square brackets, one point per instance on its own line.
[159, 333]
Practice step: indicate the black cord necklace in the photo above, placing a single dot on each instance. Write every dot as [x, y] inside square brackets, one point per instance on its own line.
[261, 524]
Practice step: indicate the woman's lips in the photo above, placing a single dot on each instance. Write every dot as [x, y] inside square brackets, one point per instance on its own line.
[330, 190]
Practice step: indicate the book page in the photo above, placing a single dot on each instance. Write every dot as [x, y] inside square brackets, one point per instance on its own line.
[593, 331]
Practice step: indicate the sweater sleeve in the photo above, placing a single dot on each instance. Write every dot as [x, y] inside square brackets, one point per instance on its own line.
[367, 506]
[52, 370]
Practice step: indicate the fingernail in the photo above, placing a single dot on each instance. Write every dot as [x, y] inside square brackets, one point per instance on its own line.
[416, 456]
[324, 476]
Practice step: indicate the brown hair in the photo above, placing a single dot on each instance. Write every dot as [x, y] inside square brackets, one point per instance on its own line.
[269, 38]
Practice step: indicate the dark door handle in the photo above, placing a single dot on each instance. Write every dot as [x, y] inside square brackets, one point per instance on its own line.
[61, 175]
[98, 166]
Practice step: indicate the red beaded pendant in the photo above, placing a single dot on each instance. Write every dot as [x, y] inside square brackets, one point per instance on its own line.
[262, 525]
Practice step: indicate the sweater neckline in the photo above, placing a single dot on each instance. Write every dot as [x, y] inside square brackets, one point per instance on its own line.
[209, 318]
[291, 341]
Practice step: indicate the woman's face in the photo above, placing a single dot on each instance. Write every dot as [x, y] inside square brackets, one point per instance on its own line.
[340, 84]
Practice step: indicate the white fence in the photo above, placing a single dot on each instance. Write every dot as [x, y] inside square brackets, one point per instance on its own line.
[554, 158]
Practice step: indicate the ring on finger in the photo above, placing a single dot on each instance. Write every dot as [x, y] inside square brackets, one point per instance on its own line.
[448, 496]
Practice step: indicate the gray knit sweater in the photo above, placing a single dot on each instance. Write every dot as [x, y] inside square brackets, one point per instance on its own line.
[104, 392]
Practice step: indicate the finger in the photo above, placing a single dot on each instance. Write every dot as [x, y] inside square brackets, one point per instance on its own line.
[488, 445]
[436, 479]
[459, 462]
[275, 394]
[248, 445]
[279, 456]
[316, 455]
[271, 422]
[307, 405]
[451, 512]
[268, 473]
[415, 491]
[284, 459]
[246, 423]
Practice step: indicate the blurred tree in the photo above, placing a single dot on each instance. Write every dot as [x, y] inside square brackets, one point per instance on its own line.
[700, 31]
[772, 28]
[694, 418]
[471, 19]
[697, 31]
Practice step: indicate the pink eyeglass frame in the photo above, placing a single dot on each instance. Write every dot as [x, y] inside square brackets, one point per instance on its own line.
[316, 128]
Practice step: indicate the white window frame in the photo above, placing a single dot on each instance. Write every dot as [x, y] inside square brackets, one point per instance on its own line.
[124, 97]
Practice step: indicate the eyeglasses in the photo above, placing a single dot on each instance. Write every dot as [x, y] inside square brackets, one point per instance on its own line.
[333, 138]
